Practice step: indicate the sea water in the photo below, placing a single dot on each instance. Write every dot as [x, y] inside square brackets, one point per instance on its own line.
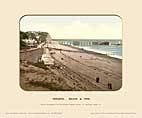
[113, 50]
[110, 50]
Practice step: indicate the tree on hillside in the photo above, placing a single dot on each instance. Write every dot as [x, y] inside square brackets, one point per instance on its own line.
[33, 36]
[23, 35]
[30, 35]
[22, 44]
[43, 36]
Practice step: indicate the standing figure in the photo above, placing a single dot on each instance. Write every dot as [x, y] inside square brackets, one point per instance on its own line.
[109, 85]
[97, 80]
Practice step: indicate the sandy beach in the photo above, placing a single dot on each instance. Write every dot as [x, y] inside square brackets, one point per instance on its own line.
[73, 70]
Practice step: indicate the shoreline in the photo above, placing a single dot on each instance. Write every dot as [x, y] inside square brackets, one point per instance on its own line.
[92, 52]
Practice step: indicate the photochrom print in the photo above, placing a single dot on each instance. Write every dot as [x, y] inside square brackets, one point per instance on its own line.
[70, 52]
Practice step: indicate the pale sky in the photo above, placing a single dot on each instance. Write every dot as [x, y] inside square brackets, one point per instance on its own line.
[75, 27]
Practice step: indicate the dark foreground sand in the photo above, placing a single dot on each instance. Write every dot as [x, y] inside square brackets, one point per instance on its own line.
[74, 70]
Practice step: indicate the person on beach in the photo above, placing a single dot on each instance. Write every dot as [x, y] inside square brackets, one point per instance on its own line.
[109, 85]
[97, 80]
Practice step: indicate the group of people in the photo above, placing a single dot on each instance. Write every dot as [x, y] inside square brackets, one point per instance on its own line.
[109, 84]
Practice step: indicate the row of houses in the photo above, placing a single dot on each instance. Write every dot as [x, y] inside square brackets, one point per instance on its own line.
[30, 42]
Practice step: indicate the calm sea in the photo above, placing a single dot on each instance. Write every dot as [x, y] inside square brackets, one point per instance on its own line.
[110, 50]
[114, 48]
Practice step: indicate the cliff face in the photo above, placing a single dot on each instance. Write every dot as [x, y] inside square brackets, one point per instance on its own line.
[49, 39]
